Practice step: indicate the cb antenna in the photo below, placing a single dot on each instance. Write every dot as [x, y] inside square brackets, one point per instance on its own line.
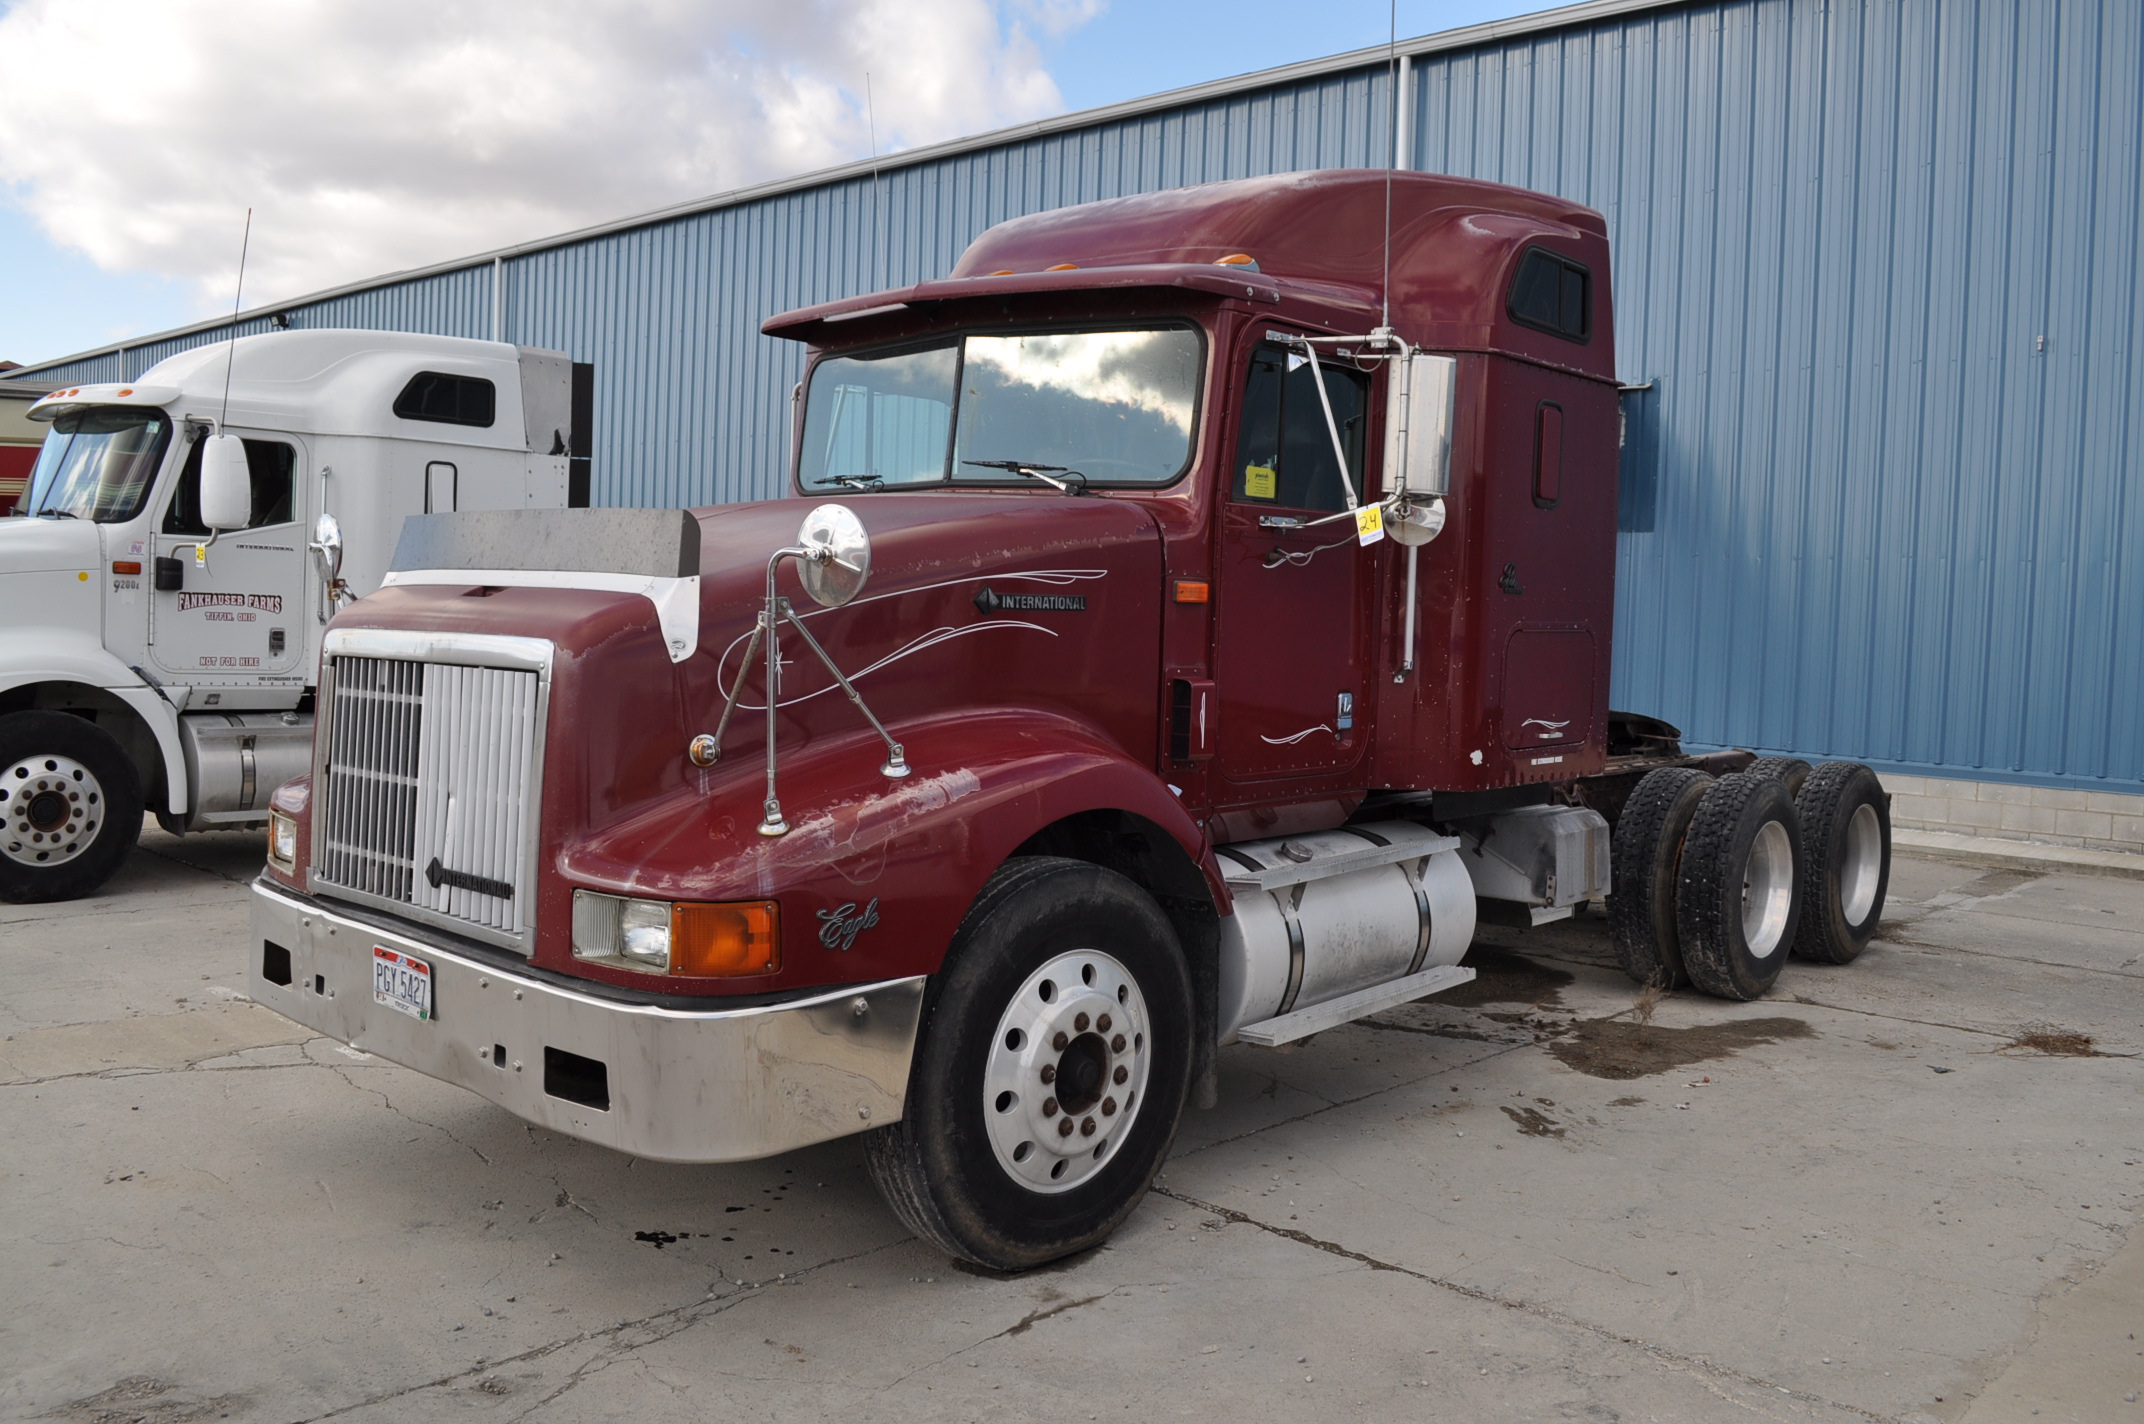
[1392, 62]
[878, 216]
[231, 354]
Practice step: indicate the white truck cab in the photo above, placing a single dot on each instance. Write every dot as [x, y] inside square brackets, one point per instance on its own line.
[148, 659]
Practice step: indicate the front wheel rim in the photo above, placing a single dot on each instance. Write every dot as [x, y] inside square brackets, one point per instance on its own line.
[1767, 890]
[1860, 865]
[50, 810]
[1067, 1071]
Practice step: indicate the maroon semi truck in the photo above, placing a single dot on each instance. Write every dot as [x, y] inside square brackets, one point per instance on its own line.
[1191, 616]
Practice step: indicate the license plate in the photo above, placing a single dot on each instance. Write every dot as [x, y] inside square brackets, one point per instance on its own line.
[401, 982]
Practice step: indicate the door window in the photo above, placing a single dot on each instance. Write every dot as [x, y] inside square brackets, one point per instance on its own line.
[273, 466]
[1284, 452]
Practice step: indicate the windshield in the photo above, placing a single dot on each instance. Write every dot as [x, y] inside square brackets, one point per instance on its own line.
[1113, 406]
[98, 463]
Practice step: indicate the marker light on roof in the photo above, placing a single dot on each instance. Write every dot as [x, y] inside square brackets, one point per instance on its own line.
[1238, 259]
[1063, 267]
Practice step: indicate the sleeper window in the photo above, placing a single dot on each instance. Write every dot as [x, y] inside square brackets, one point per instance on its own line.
[1552, 294]
[1284, 452]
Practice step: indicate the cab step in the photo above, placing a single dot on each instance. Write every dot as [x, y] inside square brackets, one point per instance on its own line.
[1287, 1028]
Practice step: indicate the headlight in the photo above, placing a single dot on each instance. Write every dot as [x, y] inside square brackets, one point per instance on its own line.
[282, 841]
[723, 940]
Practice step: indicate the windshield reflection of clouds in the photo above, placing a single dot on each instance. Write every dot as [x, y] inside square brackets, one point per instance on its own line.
[1114, 405]
[1150, 371]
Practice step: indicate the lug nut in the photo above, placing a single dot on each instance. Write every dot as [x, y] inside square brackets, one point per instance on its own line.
[1080, 1023]
[1116, 1045]
[1049, 1107]
[1121, 1074]
[1059, 1042]
[1049, 1072]
[1101, 1025]
[1109, 1107]
[1086, 1127]
[1064, 1127]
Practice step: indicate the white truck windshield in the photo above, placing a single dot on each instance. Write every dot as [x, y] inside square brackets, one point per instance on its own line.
[1115, 407]
[98, 463]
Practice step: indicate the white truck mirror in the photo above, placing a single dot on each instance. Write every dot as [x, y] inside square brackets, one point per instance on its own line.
[1418, 426]
[226, 484]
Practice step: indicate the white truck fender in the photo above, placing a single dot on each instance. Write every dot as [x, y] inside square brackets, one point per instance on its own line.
[33, 655]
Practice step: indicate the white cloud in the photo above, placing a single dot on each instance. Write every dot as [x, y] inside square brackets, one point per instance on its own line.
[373, 135]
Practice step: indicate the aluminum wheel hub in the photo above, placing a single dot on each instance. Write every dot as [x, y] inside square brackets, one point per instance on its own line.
[1767, 890]
[1067, 1071]
[50, 808]
[1861, 867]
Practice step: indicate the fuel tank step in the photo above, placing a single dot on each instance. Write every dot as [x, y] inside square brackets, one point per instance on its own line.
[1348, 1007]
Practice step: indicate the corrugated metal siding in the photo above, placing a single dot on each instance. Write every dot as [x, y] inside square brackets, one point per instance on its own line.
[1876, 519]
[1888, 524]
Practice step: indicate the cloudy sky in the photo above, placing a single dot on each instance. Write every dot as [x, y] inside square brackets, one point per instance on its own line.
[372, 135]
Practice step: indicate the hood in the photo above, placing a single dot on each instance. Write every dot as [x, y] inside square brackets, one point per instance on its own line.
[998, 600]
[44, 545]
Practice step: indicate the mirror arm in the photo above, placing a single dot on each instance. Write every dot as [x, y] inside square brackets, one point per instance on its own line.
[766, 629]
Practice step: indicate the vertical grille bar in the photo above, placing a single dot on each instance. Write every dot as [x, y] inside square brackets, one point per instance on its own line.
[428, 785]
[372, 774]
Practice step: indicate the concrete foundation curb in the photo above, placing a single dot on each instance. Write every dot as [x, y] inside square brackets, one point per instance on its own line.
[2024, 855]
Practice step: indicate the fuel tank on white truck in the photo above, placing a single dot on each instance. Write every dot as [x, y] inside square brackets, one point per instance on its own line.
[148, 659]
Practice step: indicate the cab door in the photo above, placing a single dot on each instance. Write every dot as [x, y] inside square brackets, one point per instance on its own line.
[234, 615]
[1289, 637]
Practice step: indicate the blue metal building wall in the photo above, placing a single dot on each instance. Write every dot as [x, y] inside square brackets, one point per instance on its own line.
[1877, 256]
[1881, 259]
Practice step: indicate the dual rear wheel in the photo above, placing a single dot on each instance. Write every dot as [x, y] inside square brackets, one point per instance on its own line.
[1717, 881]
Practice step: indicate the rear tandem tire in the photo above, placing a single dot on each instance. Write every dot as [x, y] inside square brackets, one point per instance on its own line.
[1739, 898]
[980, 1164]
[1648, 857]
[1846, 861]
[1791, 771]
[70, 806]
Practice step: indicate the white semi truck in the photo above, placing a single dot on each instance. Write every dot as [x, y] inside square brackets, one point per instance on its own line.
[185, 538]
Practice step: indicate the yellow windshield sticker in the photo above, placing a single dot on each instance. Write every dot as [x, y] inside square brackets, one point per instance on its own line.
[1259, 482]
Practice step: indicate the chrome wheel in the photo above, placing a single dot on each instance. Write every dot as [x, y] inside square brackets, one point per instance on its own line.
[1767, 890]
[50, 808]
[1861, 867]
[1067, 1070]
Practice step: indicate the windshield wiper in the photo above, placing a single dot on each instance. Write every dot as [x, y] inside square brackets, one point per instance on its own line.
[1045, 473]
[54, 514]
[855, 482]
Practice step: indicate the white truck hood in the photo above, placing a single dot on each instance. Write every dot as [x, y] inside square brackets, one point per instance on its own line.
[31, 545]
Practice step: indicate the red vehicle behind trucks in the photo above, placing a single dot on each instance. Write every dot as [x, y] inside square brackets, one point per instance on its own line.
[1192, 613]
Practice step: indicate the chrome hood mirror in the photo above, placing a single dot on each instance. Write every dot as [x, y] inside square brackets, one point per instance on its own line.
[836, 555]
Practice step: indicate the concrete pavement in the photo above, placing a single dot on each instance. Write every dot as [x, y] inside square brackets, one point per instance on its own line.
[1904, 1189]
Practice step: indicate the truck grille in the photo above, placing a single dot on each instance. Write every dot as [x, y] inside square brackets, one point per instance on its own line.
[428, 787]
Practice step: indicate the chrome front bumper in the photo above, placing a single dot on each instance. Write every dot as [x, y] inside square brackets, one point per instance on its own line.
[671, 1085]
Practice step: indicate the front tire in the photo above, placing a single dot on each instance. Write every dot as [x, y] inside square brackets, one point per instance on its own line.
[70, 807]
[1052, 1071]
[1740, 893]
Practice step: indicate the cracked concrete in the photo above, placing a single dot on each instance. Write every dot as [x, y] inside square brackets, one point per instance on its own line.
[205, 1213]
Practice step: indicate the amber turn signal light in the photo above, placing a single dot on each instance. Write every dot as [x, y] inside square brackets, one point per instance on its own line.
[1193, 591]
[125, 566]
[727, 940]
